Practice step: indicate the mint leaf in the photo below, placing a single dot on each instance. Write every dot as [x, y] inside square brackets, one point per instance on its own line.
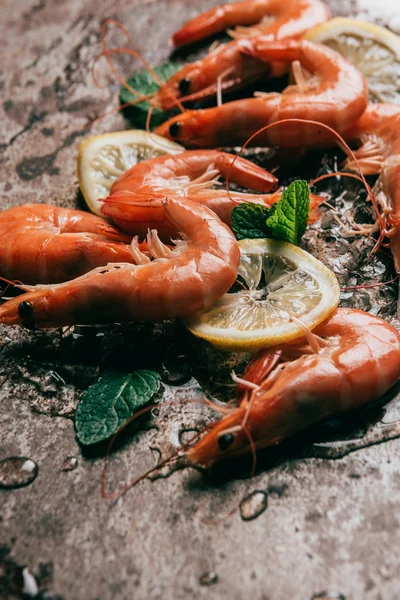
[248, 220]
[288, 218]
[107, 404]
[142, 81]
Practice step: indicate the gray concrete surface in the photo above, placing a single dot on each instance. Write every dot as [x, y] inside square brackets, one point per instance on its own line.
[330, 525]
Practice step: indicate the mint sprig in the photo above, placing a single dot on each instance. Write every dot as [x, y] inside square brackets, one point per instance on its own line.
[142, 81]
[249, 221]
[286, 220]
[107, 404]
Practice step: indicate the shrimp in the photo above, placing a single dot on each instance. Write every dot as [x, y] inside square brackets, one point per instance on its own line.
[190, 174]
[48, 244]
[378, 129]
[227, 68]
[278, 19]
[335, 94]
[181, 280]
[350, 360]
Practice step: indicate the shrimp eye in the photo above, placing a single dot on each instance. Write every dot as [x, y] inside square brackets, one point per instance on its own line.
[174, 129]
[25, 310]
[225, 440]
[184, 86]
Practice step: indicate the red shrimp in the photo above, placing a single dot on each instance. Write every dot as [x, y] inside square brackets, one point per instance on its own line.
[378, 130]
[278, 19]
[348, 361]
[334, 93]
[181, 280]
[227, 68]
[190, 174]
[48, 244]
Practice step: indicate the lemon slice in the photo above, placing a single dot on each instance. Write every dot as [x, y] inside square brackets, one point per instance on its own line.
[276, 281]
[374, 50]
[103, 158]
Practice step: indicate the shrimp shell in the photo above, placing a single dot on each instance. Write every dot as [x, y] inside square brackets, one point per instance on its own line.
[378, 130]
[178, 282]
[227, 68]
[357, 362]
[278, 19]
[48, 244]
[334, 93]
[190, 174]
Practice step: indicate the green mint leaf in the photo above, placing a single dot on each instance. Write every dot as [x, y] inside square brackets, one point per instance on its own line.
[107, 404]
[248, 221]
[142, 81]
[288, 218]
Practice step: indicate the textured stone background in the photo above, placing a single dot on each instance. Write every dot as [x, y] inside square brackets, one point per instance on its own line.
[329, 525]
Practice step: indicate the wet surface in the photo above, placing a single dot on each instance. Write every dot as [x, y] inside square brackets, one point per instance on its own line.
[208, 578]
[69, 464]
[328, 596]
[253, 505]
[320, 508]
[17, 471]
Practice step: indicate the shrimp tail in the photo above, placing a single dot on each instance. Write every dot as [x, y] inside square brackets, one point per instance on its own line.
[245, 173]
[207, 24]
[257, 370]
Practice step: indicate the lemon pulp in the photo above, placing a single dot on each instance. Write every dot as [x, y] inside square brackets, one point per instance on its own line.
[276, 282]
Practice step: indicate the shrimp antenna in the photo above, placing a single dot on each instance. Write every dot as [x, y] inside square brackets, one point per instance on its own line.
[369, 286]
[139, 96]
[341, 143]
[176, 455]
[15, 283]
[106, 52]
[231, 512]
[8, 375]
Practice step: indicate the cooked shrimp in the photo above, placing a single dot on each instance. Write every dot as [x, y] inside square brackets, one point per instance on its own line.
[190, 174]
[227, 67]
[179, 281]
[333, 93]
[350, 360]
[378, 130]
[291, 18]
[48, 244]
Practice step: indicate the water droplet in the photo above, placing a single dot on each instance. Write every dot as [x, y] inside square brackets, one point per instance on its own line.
[187, 434]
[69, 464]
[176, 370]
[384, 571]
[208, 578]
[340, 448]
[328, 596]
[57, 377]
[253, 505]
[17, 471]
[394, 23]
[30, 586]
